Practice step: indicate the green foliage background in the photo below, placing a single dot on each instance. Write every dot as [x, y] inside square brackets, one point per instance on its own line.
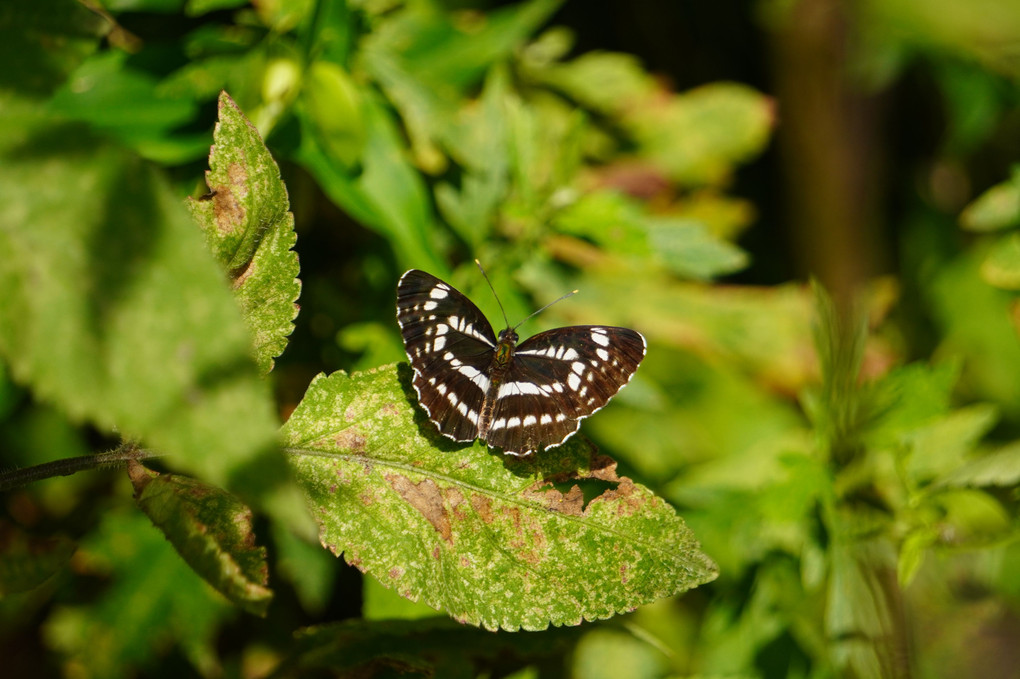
[832, 474]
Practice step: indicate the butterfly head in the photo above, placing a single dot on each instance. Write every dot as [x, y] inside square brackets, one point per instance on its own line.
[508, 335]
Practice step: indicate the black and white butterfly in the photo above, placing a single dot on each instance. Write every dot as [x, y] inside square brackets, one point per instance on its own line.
[518, 398]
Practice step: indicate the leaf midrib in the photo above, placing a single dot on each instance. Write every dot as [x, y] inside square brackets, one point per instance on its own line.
[437, 476]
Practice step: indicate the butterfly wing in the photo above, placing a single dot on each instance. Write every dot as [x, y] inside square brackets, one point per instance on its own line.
[557, 378]
[449, 344]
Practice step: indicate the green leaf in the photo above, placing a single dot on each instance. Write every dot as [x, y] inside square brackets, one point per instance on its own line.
[996, 209]
[333, 104]
[689, 250]
[460, 527]
[606, 653]
[1002, 266]
[940, 447]
[972, 518]
[419, 648]
[211, 530]
[37, 60]
[26, 561]
[380, 603]
[912, 552]
[1001, 468]
[389, 195]
[151, 595]
[109, 94]
[975, 323]
[621, 225]
[248, 227]
[115, 311]
[910, 397]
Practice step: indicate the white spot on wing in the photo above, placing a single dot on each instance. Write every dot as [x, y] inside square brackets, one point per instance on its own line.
[510, 388]
[603, 354]
[530, 420]
[438, 293]
[439, 343]
[429, 306]
[573, 381]
[599, 337]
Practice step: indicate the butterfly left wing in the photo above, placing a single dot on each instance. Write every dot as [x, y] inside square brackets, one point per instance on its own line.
[557, 378]
[449, 343]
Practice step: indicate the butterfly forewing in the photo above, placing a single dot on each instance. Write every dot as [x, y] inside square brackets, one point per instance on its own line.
[557, 378]
[533, 396]
[450, 344]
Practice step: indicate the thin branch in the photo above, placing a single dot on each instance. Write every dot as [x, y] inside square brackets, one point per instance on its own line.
[120, 456]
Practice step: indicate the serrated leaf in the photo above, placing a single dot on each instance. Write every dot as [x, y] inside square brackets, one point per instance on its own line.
[430, 648]
[26, 561]
[211, 530]
[494, 541]
[114, 310]
[248, 227]
[1001, 267]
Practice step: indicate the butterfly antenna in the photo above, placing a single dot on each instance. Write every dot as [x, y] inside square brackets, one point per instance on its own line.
[486, 277]
[535, 313]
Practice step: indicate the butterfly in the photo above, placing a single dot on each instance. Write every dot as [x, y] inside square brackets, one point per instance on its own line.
[474, 384]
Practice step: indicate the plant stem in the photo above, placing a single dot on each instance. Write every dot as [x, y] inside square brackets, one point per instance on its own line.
[120, 456]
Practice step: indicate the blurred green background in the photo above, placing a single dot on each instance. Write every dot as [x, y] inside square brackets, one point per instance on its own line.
[688, 166]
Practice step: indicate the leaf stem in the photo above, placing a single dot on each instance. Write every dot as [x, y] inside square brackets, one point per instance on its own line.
[120, 456]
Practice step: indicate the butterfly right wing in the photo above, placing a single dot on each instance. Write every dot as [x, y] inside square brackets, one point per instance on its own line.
[559, 377]
[449, 344]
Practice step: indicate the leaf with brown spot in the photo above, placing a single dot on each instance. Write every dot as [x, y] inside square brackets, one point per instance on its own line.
[250, 230]
[211, 530]
[493, 540]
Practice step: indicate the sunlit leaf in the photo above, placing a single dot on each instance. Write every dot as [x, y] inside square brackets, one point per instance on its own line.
[460, 528]
[621, 226]
[971, 518]
[248, 227]
[1002, 267]
[211, 530]
[388, 195]
[333, 104]
[975, 324]
[995, 209]
[940, 447]
[1001, 468]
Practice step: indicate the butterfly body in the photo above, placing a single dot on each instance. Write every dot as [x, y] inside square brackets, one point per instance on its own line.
[515, 397]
